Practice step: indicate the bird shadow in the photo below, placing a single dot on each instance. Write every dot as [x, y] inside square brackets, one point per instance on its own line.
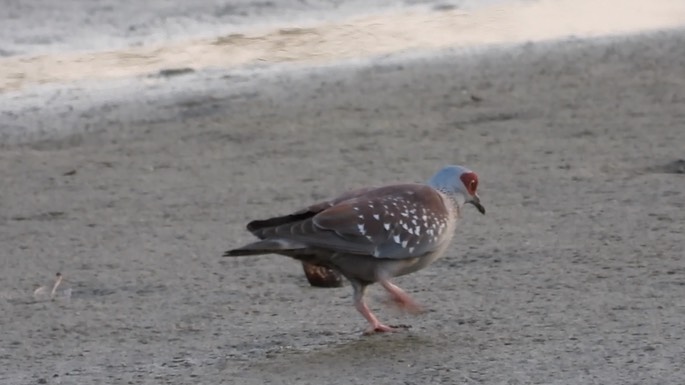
[378, 343]
[367, 349]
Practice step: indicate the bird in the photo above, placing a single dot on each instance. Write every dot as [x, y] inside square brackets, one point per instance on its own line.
[372, 235]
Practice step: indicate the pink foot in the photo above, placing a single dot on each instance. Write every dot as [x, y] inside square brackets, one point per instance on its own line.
[381, 328]
[375, 326]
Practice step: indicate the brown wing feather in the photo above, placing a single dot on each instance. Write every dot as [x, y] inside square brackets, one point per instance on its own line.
[317, 276]
[398, 221]
[260, 228]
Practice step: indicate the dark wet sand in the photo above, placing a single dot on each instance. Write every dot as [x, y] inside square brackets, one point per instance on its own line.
[575, 275]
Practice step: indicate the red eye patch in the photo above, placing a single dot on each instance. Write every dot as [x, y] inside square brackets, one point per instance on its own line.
[470, 180]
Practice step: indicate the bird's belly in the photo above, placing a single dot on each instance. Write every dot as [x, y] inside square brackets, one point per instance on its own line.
[408, 266]
[368, 269]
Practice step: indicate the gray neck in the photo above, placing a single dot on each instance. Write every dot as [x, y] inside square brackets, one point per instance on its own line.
[457, 198]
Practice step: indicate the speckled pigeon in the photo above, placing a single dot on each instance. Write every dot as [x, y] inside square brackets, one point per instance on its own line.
[373, 234]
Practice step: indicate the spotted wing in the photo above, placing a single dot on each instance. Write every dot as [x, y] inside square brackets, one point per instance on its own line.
[400, 221]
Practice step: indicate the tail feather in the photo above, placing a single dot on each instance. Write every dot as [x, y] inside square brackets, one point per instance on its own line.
[267, 246]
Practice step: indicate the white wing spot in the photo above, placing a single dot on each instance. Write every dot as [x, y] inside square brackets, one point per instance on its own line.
[376, 216]
[387, 226]
[396, 238]
[411, 249]
[417, 230]
[362, 230]
[404, 243]
[411, 231]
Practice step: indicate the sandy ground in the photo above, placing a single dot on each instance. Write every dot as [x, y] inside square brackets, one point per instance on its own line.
[132, 188]
[30, 27]
[375, 33]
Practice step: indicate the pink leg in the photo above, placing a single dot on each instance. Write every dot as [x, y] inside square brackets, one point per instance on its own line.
[400, 298]
[375, 326]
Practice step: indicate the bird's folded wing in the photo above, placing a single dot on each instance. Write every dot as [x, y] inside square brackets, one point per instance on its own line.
[402, 221]
[264, 228]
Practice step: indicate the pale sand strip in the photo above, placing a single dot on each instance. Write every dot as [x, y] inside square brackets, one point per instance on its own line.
[361, 37]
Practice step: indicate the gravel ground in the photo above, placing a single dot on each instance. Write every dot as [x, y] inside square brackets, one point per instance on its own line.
[574, 276]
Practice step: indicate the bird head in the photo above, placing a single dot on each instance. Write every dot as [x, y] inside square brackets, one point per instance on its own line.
[459, 182]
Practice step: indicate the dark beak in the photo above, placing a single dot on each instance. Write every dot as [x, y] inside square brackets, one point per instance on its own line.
[475, 200]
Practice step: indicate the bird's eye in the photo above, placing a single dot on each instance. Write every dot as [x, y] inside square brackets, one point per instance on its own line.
[469, 182]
